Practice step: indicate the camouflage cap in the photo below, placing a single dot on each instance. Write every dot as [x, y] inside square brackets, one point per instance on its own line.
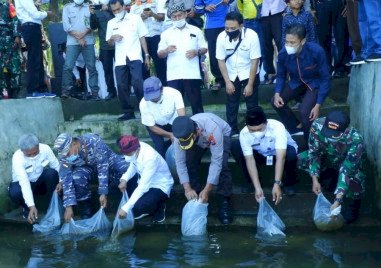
[62, 143]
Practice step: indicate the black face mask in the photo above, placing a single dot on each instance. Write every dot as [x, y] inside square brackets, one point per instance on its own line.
[233, 34]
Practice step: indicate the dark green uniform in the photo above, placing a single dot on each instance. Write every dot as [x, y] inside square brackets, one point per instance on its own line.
[9, 52]
[346, 155]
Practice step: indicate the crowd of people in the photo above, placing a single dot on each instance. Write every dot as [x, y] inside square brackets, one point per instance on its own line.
[171, 36]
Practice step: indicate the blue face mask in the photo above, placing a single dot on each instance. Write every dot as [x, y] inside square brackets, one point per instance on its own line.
[72, 158]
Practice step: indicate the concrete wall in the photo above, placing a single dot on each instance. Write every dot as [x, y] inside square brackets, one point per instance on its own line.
[20, 116]
[364, 99]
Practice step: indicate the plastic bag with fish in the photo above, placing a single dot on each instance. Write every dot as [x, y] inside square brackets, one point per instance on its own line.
[324, 218]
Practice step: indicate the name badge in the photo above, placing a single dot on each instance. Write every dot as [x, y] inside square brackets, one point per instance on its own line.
[269, 160]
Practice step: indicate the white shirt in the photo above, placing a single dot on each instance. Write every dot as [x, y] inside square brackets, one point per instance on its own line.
[27, 12]
[240, 62]
[188, 38]
[153, 171]
[132, 28]
[26, 170]
[276, 137]
[154, 26]
[164, 113]
[271, 7]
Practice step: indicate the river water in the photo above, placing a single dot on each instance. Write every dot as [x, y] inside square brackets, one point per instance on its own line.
[163, 246]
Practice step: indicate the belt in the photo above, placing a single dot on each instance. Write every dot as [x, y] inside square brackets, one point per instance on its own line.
[252, 19]
[30, 24]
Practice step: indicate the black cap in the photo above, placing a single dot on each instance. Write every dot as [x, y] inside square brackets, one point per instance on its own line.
[183, 127]
[335, 124]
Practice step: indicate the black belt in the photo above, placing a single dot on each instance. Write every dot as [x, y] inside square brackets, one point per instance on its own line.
[30, 24]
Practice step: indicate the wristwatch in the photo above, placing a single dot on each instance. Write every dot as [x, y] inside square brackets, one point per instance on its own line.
[339, 200]
[279, 182]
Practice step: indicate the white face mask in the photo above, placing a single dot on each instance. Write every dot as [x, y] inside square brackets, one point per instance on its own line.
[291, 50]
[104, 2]
[130, 158]
[120, 15]
[259, 134]
[180, 23]
[78, 2]
[32, 157]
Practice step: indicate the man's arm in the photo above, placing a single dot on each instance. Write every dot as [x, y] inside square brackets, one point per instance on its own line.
[31, 9]
[314, 152]
[248, 91]
[159, 131]
[281, 74]
[253, 172]
[324, 77]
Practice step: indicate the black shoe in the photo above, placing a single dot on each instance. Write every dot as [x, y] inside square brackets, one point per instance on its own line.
[234, 134]
[110, 96]
[159, 216]
[374, 57]
[94, 97]
[126, 117]
[339, 74]
[224, 213]
[85, 208]
[288, 190]
[351, 212]
[248, 188]
[357, 61]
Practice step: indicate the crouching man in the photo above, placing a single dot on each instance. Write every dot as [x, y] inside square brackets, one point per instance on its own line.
[334, 144]
[151, 188]
[193, 136]
[34, 172]
[81, 158]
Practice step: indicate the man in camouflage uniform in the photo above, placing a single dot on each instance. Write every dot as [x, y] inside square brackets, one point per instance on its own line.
[9, 49]
[333, 144]
[81, 158]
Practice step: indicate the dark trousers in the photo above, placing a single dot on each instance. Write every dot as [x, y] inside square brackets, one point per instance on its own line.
[211, 36]
[289, 165]
[134, 69]
[191, 87]
[160, 64]
[149, 202]
[31, 32]
[193, 161]
[272, 29]
[330, 19]
[160, 144]
[353, 26]
[45, 184]
[232, 101]
[107, 57]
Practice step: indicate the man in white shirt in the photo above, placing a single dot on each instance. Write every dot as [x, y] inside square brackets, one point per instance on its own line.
[127, 31]
[238, 52]
[265, 141]
[31, 20]
[148, 193]
[182, 45]
[159, 107]
[34, 171]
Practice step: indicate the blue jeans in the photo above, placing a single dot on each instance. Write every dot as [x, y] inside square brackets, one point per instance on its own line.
[370, 24]
[72, 53]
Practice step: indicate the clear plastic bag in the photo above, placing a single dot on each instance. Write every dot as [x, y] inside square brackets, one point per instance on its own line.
[98, 222]
[52, 219]
[269, 225]
[194, 218]
[322, 215]
[122, 225]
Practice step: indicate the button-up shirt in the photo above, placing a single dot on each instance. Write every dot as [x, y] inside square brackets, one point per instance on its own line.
[276, 138]
[153, 172]
[240, 62]
[187, 38]
[77, 18]
[212, 132]
[132, 28]
[26, 170]
[28, 12]
[272, 7]
[216, 18]
[308, 68]
[154, 26]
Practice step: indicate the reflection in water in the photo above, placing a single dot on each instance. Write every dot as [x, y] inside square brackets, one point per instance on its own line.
[327, 247]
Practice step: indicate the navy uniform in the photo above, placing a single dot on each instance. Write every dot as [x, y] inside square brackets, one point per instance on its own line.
[193, 136]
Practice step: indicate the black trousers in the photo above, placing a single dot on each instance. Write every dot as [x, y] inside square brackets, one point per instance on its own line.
[193, 161]
[107, 56]
[160, 144]
[289, 165]
[307, 99]
[272, 29]
[45, 184]
[160, 64]
[191, 87]
[211, 36]
[149, 202]
[132, 70]
[31, 32]
[232, 101]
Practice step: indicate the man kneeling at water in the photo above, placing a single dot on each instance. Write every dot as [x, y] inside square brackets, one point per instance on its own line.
[34, 172]
[151, 188]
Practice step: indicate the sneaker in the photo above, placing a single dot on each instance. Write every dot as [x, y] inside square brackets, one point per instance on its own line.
[141, 216]
[357, 61]
[159, 216]
[35, 95]
[234, 134]
[296, 132]
[126, 117]
[374, 57]
[49, 95]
